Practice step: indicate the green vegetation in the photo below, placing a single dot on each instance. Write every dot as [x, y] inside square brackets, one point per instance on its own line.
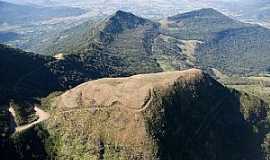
[228, 45]
[123, 36]
[24, 112]
[26, 75]
[223, 43]
[241, 51]
[200, 24]
[253, 85]
[5, 123]
[26, 145]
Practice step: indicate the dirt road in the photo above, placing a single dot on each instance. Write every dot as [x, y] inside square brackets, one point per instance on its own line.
[39, 112]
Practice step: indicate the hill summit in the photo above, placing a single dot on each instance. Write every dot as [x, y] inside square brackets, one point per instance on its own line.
[201, 24]
[201, 13]
[180, 114]
[127, 20]
[119, 22]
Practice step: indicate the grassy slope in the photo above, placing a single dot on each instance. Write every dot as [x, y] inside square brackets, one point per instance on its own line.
[207, 111]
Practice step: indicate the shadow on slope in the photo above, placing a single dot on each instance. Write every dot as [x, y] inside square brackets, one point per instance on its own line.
[202, 120]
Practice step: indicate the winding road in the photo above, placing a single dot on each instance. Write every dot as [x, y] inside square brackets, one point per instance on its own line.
[42, 116]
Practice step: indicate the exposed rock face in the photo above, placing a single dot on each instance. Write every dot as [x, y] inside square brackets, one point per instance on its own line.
[173, 115]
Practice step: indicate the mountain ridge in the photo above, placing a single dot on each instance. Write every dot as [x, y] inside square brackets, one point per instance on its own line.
[169, 44]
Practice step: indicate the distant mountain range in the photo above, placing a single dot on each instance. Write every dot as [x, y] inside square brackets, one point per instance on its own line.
[23, 14]
[203, 38]
[8, 36]
[255, 11]
[30, 2]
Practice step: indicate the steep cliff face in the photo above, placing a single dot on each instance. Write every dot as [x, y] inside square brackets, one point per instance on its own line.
[173, 115]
